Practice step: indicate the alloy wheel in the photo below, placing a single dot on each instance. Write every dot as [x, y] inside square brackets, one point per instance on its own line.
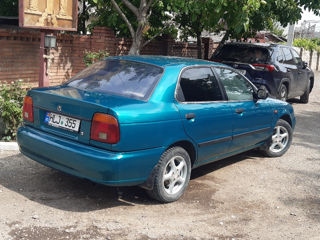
[175, 175]
[280, 139]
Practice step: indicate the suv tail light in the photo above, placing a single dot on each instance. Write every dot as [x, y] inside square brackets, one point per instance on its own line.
[28, 109]
[105, 128]
[264, 67]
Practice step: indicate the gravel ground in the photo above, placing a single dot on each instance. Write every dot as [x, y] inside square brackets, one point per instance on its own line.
[243, 197]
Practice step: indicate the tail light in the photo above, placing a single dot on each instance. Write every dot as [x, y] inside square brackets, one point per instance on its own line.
[264, 67]
[28, 109]
[105, 128]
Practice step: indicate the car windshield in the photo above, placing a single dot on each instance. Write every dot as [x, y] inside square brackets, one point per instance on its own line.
[126, 78]
[246, 54]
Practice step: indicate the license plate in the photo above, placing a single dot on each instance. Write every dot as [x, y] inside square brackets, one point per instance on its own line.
[61, 121]
[243, 72]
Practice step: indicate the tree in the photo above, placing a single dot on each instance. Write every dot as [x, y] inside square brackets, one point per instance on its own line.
[9, 8]
[193, 17]
[85, 10]
[135, 16]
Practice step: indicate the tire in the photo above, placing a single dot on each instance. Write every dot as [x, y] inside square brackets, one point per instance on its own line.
[172, 175]
[280, 140]
[283, 93]
[305, 97]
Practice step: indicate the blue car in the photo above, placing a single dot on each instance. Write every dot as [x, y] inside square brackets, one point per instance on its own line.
[148, 121]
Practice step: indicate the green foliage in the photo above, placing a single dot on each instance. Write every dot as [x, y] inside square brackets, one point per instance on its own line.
[9, 8]
[87, 9]
[106, 16]
[308, 44]
[11, 103]
[92, 57]
[275, 28]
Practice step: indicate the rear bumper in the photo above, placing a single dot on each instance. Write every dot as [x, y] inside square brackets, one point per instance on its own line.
[98, 165]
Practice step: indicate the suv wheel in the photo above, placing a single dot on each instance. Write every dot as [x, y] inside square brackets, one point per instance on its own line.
[283, 95]
[172, 175]
[305, 97]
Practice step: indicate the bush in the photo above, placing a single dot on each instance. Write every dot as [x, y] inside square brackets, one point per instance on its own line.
[308, 44]
[11, 104]
[92, 57]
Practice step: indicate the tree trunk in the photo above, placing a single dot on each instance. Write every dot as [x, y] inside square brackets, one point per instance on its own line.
[135, 47]
[223, 40]
[199, 45]
[310, 60]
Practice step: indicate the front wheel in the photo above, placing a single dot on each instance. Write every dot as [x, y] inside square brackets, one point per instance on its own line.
[280, 140]
[172, 175]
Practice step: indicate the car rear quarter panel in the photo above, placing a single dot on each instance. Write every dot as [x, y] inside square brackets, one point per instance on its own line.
[155, 123]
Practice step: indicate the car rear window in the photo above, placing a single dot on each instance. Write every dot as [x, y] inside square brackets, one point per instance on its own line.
[246, 54]
[120, 77]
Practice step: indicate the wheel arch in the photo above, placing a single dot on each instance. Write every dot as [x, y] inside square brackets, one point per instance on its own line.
[286, 118]
[185, 144]
[311, 83]
[286, 82]
[189, 147]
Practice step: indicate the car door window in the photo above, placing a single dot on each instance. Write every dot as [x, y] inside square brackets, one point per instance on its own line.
[236, 87]
[288, 58]
[296, 57]
[198, 85]
[280, 57]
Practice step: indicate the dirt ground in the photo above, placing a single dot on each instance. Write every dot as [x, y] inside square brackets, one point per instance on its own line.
[243, 197]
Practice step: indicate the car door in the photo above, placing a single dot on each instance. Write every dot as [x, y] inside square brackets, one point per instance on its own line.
[206, 117]
[252, 120]
[292, 73]
[301, 80]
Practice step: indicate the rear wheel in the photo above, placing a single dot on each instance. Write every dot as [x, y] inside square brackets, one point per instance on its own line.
[280, 140]
[305, 97]
[283, 94]
[172, 175]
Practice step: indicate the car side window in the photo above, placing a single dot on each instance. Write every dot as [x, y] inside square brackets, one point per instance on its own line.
[288, 58]
[280, 56]
[236, 86]
[198, 85]
[296, 57]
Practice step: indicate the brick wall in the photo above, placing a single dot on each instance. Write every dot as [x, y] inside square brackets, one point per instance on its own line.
[19, 52]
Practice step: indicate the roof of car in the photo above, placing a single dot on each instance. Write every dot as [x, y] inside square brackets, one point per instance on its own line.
[163, 61]
[254, 44]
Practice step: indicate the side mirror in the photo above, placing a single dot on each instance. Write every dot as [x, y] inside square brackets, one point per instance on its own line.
[304, 65]
[262, 93]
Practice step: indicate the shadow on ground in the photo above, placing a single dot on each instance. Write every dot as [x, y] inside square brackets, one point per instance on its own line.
[58, 190]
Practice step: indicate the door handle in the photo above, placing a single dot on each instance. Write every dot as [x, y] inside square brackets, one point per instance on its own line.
[239, 110]
[299, 72]
[190, 116]
[288, 70]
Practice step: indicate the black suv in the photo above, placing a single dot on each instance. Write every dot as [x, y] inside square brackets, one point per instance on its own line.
[278, 68]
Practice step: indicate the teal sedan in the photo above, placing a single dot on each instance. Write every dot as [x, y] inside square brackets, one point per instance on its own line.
[149, 120]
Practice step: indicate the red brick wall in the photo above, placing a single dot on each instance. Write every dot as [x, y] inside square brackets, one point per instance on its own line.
[19, 52]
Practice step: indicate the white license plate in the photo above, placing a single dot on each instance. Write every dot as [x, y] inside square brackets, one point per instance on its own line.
[61, 121]
[242, 71]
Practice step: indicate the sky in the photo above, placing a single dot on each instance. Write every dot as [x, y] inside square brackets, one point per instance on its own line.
[310, 16]
[306, 15]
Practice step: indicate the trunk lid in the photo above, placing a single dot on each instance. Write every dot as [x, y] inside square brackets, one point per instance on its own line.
[74, 104]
